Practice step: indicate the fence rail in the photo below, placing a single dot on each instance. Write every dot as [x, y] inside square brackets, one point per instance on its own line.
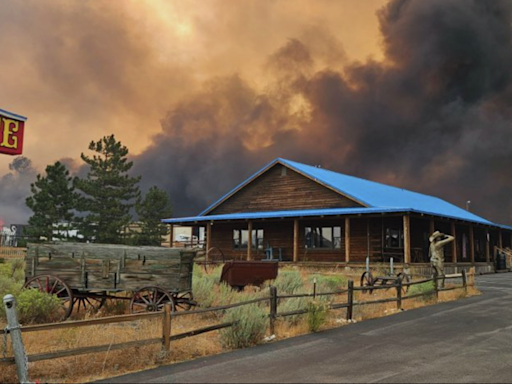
[274, 299]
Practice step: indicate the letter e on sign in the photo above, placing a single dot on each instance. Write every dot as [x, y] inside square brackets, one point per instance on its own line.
[12, 128]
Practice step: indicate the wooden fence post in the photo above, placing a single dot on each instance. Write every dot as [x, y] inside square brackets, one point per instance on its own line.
[399, 293]
[465, 281]
[273, 309]
[14, 329]
[166, 327]
[350, 299]
[314, 288]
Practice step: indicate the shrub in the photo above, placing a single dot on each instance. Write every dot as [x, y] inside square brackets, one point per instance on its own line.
[32, 306]
[204, 292]
[37, 307]
[288, 282]
[317, 315]
[290, 305]
[425, 288]
[329, 283]
[249, 328]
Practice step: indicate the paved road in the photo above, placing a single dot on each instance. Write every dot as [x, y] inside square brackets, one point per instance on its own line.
[465, 341]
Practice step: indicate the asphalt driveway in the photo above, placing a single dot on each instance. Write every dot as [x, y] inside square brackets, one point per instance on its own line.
[469, 340]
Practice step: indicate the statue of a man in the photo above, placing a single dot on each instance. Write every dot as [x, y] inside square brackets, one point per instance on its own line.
[437, 242]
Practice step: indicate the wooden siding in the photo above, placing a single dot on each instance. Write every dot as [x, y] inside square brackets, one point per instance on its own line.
[279, 234]
[463, 244]
[420, 232]
[281, 188]
[325, 255]
[480, 242]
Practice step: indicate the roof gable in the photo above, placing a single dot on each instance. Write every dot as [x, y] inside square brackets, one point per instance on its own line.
[378, 195]
[278, 188]
[368, 193]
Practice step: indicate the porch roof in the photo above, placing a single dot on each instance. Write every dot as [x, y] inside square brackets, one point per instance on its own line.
[315, 213]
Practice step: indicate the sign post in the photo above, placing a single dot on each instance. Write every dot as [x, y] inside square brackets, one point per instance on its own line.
[12, 127]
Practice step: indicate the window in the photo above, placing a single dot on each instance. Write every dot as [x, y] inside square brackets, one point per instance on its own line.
[323, 237]
[394, 238]
[241, 238]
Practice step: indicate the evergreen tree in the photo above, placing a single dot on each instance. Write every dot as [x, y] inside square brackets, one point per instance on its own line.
[108, 192]
[155, 206]
[53, 200]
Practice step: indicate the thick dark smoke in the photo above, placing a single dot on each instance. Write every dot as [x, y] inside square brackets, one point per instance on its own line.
[14, 188]
[434, 116]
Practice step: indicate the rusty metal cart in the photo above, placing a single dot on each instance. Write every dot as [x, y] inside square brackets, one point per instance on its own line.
[84, 276]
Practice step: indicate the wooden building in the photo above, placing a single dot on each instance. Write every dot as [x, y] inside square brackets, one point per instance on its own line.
[302, 213]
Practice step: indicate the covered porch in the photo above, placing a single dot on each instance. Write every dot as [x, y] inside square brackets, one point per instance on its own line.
[348, 238]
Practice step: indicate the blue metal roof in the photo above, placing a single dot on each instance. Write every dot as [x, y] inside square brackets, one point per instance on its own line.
[307, 213]
[376, 197]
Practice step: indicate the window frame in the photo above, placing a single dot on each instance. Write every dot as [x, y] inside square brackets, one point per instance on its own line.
[257, 240]
[336, 241]
[400, 238]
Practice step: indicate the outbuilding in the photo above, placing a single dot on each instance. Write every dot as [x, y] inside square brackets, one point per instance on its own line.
[306, 214]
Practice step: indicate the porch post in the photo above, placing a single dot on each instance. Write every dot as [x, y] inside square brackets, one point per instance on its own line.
[472, 244]
[171, 234]
[249, 241]
[500, 241]
[347, 240]
[454, 245]
[295, 240]
[432, 227]
[208, 239]
[487, 247]
[407, 239]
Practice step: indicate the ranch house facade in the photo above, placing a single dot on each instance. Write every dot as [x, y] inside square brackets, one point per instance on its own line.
[299, 213]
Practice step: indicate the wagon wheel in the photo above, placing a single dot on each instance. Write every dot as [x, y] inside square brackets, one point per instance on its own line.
[88, 302]
[216, 256]
[151, 299]
[54, 286]
[184, 301]
[405, 279]
[367, 281]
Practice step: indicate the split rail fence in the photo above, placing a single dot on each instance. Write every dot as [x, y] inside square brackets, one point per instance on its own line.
[167, 316]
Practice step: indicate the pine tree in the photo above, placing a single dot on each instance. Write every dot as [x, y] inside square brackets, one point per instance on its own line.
[108, 192]
[53, 200]
[155, 206]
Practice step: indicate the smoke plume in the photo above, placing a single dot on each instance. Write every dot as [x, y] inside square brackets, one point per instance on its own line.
[432, 114]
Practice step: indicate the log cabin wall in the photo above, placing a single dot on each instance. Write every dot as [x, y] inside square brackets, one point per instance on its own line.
[506, 239]
[420, 232]
[277, 234]
[281, 188]
[463, 243]
[333, 254]
[480, 243]
[493, 242]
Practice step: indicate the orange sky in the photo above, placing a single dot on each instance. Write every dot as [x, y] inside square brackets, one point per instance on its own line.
[81, 70]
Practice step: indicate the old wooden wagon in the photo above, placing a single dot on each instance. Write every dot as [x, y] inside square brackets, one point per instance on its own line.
[86, 275]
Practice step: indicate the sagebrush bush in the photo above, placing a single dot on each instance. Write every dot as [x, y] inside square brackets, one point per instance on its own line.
[288, 282]
[32, 306]
[329, 283]
[317, 315]
[37, 307]
[249, 329]
[425, 288]
[295, 304]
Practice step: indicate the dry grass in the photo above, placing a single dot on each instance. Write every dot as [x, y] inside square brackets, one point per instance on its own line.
[100, 365]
